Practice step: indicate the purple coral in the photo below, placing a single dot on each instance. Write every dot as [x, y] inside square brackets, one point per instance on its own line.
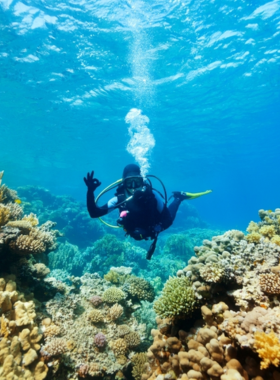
[96, 301]
[100, 340]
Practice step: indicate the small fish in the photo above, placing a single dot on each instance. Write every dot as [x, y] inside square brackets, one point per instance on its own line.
[18, 201]
[269, 211]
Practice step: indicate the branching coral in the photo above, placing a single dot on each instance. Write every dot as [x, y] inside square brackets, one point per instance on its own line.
[37, 241]
[177, 300]
[254, 237]
[253, 227]
[139, 363]
[115, 312]
[119, 346]
[32, 219]
[113, 295]
[212, 272]
[4, 214]
[132, 339]
[140, 288]
[95, 316]
[270, 283]
[268, 348]
[267, 231]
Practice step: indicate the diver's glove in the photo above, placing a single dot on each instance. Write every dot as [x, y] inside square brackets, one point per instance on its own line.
[91, 183]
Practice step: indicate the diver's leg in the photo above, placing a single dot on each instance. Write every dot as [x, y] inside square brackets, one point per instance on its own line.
[173, 207]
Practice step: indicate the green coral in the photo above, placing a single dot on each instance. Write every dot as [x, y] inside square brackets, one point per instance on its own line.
[113, 295]
[115, 277]
[177, 300]
[139, 288]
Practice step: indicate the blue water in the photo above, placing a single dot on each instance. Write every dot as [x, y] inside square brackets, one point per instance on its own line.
[204, 75]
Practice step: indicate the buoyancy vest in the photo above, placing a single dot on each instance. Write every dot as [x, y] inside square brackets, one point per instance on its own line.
[142, 212]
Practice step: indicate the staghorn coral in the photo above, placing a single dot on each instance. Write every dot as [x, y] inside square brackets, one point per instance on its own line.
[113, 295]
[268, 348]
[139, 288]
[177, 300]
[115, 312]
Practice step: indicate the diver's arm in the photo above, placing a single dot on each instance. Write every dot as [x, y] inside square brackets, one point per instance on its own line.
[92, 184]
[93, 210]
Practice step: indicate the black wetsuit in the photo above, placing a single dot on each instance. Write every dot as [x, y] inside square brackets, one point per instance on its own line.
[147, 212]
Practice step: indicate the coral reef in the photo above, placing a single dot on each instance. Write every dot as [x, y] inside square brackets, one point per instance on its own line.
[236, 332]
[101, 342]
[19, 335]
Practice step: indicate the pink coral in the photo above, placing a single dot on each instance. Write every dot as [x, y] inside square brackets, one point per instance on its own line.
[96, 301]
[100, 340]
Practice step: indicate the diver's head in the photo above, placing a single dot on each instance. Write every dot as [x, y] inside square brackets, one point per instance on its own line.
[132, 178]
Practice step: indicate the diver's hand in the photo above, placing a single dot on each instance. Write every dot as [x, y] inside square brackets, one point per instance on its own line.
[139, 195]
[91, 183]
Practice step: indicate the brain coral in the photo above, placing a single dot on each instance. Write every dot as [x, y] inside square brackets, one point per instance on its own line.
[140, 288]
[113, 295]
[177, 299]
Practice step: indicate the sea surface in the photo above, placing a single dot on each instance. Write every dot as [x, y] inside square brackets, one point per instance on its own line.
[188, 89]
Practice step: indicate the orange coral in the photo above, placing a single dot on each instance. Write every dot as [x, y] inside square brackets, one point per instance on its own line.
[268, 348]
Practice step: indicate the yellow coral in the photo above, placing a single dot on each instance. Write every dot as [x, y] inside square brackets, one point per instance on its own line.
[32, 219]
[275, 239]
[268, 348]
[254, 237]
[267, 231]
[4, 214]
[253, 227]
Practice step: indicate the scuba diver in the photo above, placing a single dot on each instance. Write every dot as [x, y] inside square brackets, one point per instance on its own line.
[144, 212]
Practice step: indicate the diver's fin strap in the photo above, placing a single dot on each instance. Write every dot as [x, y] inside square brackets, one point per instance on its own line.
[196, 195]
